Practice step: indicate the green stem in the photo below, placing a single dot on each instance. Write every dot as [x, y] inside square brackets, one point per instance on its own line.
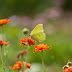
[1, 55]
[27, 55]
[43, 61]
[3, 65]
[5, 53]
[4, 49]
[7, 61]
[2, 33]
[22, 64]
[27, 50]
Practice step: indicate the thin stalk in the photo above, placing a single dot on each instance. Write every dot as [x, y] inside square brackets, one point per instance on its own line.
[9, 70]
[1, 55]
[22, 64]
[7, 62]
[3, 36]
[27, 48]
[4, 48]
[2, 60]
[43, 61]
[5, 53]
[2, 33]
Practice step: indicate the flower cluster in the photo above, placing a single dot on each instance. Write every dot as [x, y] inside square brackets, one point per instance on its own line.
[25, 41]
[41, 47]
[3, 43]
[31, 42]
[19, 65]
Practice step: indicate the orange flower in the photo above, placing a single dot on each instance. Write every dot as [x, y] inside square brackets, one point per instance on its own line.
[41, 47]
[4, 21]
[3, 43]
[28, 65]
[28, 40]
[19, 65]
[16, 66]
[69, 69]
[6, 43]
[24, 52]
[23, 41]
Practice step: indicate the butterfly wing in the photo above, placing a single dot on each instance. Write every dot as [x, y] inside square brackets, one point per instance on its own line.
[40, 36]
[38, 33]
[38, 28]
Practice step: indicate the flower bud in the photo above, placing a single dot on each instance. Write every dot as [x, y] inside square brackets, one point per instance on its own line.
[66, 66]
[25, 30]
[22, 53]
[69, 63]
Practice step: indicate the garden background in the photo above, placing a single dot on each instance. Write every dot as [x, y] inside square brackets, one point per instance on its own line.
[56, 15]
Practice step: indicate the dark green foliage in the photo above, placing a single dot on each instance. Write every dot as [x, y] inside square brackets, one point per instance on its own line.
[23, 7]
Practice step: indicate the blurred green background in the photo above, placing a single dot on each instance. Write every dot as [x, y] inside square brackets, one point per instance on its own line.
[57, 25]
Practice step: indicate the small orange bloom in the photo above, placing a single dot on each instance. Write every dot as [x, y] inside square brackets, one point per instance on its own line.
[16, 66]
[10, 67]
[3, 43]
[69, 69]
[4, 21]
[6, 43]
[23, 40]
[19, 65]
[41, 47]
[28, 40]
[28, 65]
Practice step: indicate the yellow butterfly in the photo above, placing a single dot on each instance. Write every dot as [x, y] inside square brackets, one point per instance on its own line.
[38, 34]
